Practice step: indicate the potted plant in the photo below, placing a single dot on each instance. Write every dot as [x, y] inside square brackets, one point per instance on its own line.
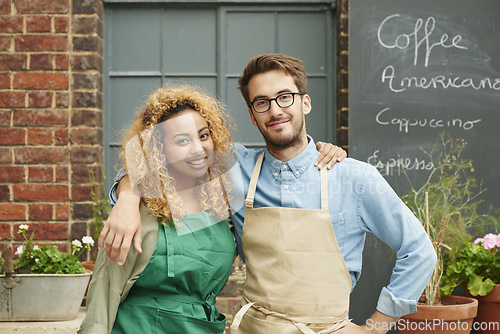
[43, 284]
[476, 266]
[100, 210]
[447, 205]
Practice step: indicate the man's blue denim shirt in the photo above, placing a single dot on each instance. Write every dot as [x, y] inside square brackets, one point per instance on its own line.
[360, 201]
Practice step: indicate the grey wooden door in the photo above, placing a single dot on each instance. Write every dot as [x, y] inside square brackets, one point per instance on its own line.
[207, 44]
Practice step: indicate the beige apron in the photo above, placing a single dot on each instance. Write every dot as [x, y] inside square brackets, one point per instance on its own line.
[297, 280]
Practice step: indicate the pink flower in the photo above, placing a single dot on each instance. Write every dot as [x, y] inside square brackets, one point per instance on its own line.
[491, 241]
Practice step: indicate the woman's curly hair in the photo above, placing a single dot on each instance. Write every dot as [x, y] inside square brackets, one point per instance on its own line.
[144, 160]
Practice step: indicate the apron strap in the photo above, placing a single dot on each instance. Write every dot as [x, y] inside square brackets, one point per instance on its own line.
[253, 182]
[167, 233]
[324, 190]
[249, 200]
[299, 322]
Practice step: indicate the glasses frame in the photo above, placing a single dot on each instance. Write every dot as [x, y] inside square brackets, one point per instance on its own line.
[275, 99]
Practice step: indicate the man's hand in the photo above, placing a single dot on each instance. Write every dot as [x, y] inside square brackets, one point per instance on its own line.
[123, 225]
[330, 154]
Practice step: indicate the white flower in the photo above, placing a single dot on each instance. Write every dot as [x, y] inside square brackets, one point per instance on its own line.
[37, 260]
[88, 240]
[20, 250]
[35, 247]
[76, 243]
[23, 227]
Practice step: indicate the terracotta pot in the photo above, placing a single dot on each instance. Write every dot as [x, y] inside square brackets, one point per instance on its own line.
[488, 313]
[454, 316]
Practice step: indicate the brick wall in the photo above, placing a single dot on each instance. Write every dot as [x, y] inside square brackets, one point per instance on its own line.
[50, 116]
[342, 83]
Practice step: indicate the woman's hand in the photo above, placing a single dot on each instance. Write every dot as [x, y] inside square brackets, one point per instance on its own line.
[329, 155]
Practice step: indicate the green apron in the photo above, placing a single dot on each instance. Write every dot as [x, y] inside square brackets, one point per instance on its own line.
[176, 291]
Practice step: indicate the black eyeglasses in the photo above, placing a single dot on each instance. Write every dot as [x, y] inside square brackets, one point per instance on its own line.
[283, 100]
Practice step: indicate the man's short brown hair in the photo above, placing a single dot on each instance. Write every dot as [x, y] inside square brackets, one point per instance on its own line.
[274, 61]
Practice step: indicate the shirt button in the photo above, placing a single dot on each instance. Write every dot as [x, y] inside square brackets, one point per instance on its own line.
[275, 174]
[297, 172]
[285, 166]
[285, 186]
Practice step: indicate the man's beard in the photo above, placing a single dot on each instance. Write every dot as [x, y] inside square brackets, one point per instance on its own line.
[284, 141]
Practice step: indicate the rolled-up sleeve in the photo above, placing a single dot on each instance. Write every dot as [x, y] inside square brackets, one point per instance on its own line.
[381, 212]
[114, 187]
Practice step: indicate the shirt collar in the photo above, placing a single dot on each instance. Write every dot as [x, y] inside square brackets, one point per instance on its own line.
[297, 165]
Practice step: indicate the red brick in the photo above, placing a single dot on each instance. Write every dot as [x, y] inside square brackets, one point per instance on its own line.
[46, 231]
[86, 81]
[11, 99]
[87, 43]
[87, 99]
[40, 61]
[86, 62]
[40, 99]
[40, 174]
[4, 43]
[4, 80]
[61, 212]
[12, 136]
[5, 231]
[84, 154]
[40, 212]
[11, 173]
[5, 6]
[5, 155]
[5, 117]
[38, 23]
[89, 136]
[62, 99]
[61, 62]
[40, 80]
[12, 211]
[84, 25]
[40, 192]
[41, 155]
[49, 117]
[13, 62]
[4, 193]
[61, 136]
[61, 24]
[86, 117]
[81, 193]
[41, 136]
[62, 174]
[11, 24]
[41, 43]
[42, 6]
[81, 211]
[80, 173]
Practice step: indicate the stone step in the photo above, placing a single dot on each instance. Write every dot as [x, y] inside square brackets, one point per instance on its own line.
[46, 327]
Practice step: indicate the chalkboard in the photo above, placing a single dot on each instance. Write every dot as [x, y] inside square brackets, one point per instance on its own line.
[419, 68]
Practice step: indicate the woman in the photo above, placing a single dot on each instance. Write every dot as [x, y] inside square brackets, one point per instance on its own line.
[188, 247]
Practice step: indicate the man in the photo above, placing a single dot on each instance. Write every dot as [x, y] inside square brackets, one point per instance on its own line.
[301, 230]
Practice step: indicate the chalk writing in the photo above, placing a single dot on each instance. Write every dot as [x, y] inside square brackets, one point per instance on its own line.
[405, 40]
[395, 166]
[404, 124]
[438, 81]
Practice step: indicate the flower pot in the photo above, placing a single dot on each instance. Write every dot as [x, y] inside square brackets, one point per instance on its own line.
[454, 316]
[487, 320]
[41, 297]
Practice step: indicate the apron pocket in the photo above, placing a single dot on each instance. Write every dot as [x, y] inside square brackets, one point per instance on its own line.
[175, 323]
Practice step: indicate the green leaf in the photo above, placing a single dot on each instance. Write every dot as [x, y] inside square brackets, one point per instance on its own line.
[478, 286]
